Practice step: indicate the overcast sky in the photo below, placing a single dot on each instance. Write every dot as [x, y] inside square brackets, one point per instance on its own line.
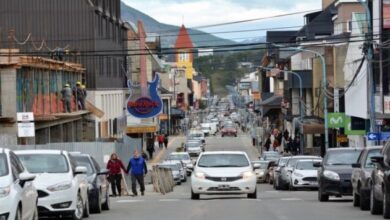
[195, 13]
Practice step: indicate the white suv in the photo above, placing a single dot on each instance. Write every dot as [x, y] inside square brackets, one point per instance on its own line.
[18, 197]
[62, 186]
[224, 172]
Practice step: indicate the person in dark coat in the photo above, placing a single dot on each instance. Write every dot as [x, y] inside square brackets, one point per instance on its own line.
[267, 144]
[150, 147]
[114, 167]
[137, 168]
[166, 141]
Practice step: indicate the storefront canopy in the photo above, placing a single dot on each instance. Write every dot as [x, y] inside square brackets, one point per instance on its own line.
[177, 113]
[274, 102]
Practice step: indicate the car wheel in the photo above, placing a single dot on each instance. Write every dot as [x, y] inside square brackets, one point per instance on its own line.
[291, 187]
[322, 197]
[179, 183]
[375, 204]
[364, 199]
[18, 214]
[86, 209]
[194, 196]
[253, 195]
[356, 198]
[78, 213]
[96, 205]
[106, 204]
[386, 205]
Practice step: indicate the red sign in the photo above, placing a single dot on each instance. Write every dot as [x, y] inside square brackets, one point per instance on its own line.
[143, 105]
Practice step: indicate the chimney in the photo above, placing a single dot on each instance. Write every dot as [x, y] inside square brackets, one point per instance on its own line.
[326, 3]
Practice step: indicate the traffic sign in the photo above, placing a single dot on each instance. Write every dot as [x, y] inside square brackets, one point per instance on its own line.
[385, 136]
[372, 136]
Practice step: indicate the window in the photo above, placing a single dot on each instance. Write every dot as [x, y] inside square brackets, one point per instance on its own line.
[184, 57]
[342, 157]
[84, 162]
[45, 163]
[3, 165]
[349, 27]
[223, 160]
[372, 153]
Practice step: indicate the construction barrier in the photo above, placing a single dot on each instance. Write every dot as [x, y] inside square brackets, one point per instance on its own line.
[162, 179]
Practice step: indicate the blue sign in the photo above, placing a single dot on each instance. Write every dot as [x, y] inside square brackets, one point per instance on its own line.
[385, 136]
[371, 136]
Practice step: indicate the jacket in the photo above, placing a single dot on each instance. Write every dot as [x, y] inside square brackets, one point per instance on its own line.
[115, 166]
[137, 166]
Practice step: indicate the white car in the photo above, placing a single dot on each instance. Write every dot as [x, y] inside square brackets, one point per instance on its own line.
[206, 129]
[183, 157]
[62, 186]
[304, 175]
[18, 196]
[194, 148]
[223, 172]
[196, 135]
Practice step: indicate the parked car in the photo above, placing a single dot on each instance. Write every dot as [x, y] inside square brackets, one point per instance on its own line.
[334, 175]
[380, 183]
[174, 169]
[272, 157]
[183, 157]
[194, 148]
[62, 185]
[304, 174]
[361, 177]
[182, 169]
[261, 172]
[277, 170]
[98, 186]
[284, 181]
[229, 130]
[16, 189]
[224, 172]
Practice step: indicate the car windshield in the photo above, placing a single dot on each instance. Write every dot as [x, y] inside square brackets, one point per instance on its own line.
[84, 162]
[179, 157]
[263, 165]
[282, 161]
[223, 160]
[193, 144]
[170, 166]
[45, 163]
[293, 161]
[342, 157]
[197, 135]
[371, 153]
[3, 165]
[271, 157]
[306, 165]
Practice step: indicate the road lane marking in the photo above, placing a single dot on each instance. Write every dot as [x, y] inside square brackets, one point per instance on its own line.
[291, 199]
[169, 200]
[129, 201]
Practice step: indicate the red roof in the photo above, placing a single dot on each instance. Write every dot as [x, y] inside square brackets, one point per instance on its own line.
[183, 39]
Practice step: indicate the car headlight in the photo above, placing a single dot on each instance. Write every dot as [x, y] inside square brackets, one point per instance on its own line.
[260, 173]
[247, 174]
[4, 191]
[190, 165]
[331, 175]
[298, 175]
[60, 186]
[200, 175]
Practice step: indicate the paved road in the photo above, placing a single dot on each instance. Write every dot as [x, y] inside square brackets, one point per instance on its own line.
[273, 205]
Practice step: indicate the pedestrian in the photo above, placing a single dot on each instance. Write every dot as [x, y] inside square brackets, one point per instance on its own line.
[114, 167]
[137, 168]
[150, 147]
[267, 144]
[166, 141]
[253, 136]
[296, 145]
[66, 93]
[161, 141]
[79, 93]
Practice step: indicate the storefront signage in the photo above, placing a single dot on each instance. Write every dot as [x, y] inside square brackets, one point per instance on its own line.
[336, 120]
[141, 129]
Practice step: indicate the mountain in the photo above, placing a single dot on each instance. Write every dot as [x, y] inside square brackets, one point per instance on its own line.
[168, 32]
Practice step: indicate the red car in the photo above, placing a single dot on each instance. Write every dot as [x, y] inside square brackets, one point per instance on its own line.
[229, 130]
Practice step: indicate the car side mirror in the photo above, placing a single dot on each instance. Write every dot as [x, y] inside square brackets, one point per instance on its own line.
[25, 177]
[356, 165]
[103, 172]
[317, 164]
[256, 166]
[80, 170]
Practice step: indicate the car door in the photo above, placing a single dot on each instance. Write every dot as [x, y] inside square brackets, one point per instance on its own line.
[101, 179]
[80, 180]
[356, 172]
[27, 192]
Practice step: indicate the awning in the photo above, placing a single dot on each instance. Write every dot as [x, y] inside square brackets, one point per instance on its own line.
[274, 102]
[313, 128]
[177, 113]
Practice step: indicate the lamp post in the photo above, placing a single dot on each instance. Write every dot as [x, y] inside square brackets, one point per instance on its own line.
[323, 86]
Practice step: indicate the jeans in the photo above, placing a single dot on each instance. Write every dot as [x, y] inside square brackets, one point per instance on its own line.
[115, 180]
[140, 180]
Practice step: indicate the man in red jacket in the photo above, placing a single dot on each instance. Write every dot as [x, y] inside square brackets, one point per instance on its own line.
[114, 166]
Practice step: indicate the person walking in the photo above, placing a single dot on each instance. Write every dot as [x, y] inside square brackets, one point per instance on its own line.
[80, 96]
[161, 141]
[166, 141]
[66, 93]
[137, 168]
[150, 147]
[114, 166]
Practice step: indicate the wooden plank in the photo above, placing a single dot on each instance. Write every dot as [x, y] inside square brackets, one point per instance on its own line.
[96, 111]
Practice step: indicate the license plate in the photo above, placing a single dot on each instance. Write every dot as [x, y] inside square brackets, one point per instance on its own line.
[223, 186]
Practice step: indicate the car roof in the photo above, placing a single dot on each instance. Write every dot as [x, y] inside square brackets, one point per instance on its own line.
[170, 162]
[40, 152]
[179, 153]
[4, 150]
[346, 149]
[309, 160]
[223, 152]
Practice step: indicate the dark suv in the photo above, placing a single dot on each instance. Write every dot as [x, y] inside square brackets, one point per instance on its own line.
[361, 177]
[380, 183]
[334, 175]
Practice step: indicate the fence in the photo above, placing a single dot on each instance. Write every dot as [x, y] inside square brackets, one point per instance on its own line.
[162, 179]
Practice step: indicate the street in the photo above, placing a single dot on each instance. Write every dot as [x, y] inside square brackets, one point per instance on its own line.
[270, 204]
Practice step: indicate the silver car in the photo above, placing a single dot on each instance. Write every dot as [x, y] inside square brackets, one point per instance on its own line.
[183, 157]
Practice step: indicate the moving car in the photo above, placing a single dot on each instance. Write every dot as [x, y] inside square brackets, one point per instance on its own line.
[361, 177]
[98, 186]
[380, 183]
[261, 172]
[196, 135]
[286, 171]
[224, 172]
[304, 174]
[62, 185]
[206, 128]
[229, 130]
[18, 196]
[334, 175]
[183, 157]
[174, 167]
[194, 148]
[276, 172]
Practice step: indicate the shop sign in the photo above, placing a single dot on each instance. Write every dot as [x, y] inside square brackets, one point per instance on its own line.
[336, 120]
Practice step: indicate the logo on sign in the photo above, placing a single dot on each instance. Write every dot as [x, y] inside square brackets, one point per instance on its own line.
[143, 105]
[336, 120]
